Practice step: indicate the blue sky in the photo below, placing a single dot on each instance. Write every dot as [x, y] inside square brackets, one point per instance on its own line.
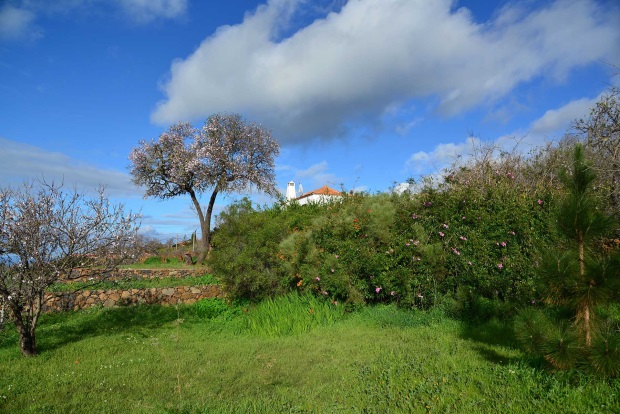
[361, 93]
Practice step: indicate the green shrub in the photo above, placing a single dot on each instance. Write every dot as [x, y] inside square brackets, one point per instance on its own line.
[211, 308]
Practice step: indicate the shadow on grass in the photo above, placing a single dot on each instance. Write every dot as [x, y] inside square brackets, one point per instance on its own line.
[490, 337]
[58, 329]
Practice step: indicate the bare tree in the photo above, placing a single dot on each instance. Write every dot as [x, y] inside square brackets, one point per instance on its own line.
[225, 155]
[46, 232]
[601, 132]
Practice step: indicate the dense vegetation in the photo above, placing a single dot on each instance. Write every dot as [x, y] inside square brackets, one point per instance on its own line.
[474, 242]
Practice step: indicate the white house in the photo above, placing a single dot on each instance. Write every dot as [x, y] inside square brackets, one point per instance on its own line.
[320, 195]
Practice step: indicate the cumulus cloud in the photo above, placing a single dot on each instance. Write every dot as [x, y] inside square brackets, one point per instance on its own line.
[371, 55]
[442, 156]
[20, 161]
[549, 126]
[555, 120]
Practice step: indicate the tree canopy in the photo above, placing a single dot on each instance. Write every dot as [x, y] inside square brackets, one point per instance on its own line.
[226, 155]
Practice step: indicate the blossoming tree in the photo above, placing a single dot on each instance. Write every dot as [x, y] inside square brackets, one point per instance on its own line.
[45, 232]
[226, 155]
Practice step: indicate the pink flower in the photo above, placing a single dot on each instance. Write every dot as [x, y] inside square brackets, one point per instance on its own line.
[392, 293]
[456, 252]
[463, 218]
[463, 238]
[445, 226]
[324, 292]
[336, 256]
[503, 244]
[415, 243]
[407, 244]
[414, 216]
[512, 232]
[332, 270]
[441, 234]
[540, 202]
[318, 279]
[469, 263]
[378, 289]
[420, 295]
[500, 266]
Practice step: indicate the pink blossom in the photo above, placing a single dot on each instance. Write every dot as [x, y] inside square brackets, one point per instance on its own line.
[469, 263]
[503, 244]
[378, 289]
[332, 270]
[392, 293]
[540, 202]
[318, 279]
[420, 295]
[445, 226]
[456, 252]
[407, 244]
[324, 292]
[441, 234]
[463, 218]
[500, 266]
[336, 256]
[415, 243]
[414, 216]
[463, 238]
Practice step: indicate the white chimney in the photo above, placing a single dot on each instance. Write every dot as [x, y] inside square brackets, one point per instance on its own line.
[290, 191]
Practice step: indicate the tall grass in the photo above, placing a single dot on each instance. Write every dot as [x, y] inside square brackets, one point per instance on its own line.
[293, 314]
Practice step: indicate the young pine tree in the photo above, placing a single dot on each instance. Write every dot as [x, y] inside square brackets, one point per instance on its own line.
[577, 275]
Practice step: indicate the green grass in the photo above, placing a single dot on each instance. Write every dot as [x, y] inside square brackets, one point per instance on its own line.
[159, 262]
[132, 283]
[207, 358]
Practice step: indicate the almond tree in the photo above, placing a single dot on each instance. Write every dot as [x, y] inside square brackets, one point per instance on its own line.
[45, 233]
[226, 155]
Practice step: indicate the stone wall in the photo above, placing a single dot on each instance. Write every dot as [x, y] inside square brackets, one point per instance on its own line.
[88, 274]
[113, 297]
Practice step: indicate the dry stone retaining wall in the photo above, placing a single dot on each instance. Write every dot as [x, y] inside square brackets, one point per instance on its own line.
[87, 274]
[62, 301]
[113, 297]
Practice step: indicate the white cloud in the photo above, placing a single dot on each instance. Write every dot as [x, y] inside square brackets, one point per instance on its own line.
[17, 20]
[443, 155]
[548, 127]
[311, 178]
[555, 120]
[353, 64]
[16, 24]
[20, 161]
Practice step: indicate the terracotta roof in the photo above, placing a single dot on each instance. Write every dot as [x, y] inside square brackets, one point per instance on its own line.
[325, 190]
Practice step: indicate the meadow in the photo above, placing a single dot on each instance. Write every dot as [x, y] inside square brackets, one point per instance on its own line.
[295, 353]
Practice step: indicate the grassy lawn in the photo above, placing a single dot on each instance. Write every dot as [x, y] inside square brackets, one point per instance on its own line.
[165, 359]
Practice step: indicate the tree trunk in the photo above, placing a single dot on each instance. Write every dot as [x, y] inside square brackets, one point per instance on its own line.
[27, 340]
[585, 311]
[205, 224]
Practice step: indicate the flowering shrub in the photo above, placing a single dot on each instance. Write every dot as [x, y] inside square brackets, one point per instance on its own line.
[410, 249]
